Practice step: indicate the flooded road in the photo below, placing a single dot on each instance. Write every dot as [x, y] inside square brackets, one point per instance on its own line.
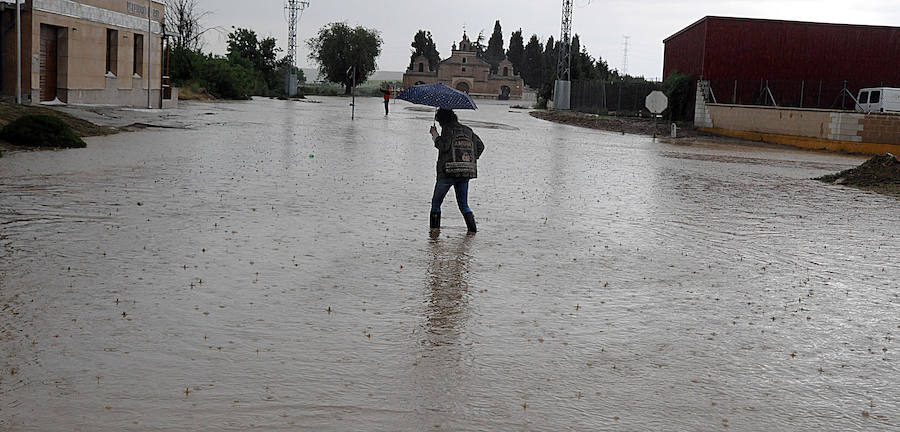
[269, 268]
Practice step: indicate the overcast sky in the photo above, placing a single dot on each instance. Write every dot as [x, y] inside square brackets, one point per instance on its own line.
[601, 24]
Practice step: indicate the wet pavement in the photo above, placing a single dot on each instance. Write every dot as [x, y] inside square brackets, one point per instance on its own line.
[266, 265]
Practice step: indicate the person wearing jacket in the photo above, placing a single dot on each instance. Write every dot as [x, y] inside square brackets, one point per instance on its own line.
[458, 151]
[387, 98]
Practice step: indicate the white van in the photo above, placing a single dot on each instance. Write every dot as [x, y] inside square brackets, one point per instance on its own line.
[879, 99]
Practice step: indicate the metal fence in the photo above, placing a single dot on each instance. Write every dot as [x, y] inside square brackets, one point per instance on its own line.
[824, 94]
[602, 97]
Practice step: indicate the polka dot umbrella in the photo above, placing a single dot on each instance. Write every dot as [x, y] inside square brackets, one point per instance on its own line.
[437, 95]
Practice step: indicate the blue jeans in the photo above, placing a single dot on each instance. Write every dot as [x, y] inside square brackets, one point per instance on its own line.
[460, 186]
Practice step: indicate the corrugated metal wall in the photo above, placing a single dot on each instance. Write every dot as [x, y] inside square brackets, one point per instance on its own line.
[804, 63]
[684, 51]
[746, 49]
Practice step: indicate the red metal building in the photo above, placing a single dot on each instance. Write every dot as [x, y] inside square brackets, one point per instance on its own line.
[801, 63]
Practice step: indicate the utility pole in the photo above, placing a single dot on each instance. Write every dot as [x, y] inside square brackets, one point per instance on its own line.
[19, 52]
[150, 54]
[562, 90]
[352, 70]
[294, 9]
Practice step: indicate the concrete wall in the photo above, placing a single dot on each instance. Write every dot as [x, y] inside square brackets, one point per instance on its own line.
[808, 128]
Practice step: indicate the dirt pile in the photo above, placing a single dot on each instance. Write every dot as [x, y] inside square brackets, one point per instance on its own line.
[41, 131]
[10, 112]
[881, 174]
[628, 125]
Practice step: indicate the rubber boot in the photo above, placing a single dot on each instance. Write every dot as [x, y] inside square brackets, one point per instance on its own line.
[435, 220]
[470, 221]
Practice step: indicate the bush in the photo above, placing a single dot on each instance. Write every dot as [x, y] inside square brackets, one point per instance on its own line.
[226, 80]
[41, 131]
[677, 88]
[218, 75]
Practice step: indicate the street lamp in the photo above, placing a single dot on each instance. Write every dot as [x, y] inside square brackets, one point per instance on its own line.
[18, 52]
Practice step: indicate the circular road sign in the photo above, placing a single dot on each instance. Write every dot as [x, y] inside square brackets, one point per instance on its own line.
[657, 102]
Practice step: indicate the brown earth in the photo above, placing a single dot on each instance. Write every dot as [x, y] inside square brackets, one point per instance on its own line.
[82, 128]
[12, 111]
[880, 174]
[628, 125]
[188, 94]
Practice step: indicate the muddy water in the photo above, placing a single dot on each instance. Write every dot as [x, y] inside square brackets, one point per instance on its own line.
[269, 268]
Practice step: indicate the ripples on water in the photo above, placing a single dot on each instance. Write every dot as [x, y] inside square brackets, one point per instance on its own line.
[273, 260]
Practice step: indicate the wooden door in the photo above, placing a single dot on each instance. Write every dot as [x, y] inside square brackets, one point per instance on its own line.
[49, 63]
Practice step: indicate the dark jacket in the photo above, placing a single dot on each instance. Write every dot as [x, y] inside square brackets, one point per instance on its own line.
[455, 153]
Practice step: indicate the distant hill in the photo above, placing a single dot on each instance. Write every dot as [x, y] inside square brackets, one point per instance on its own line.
[387, 76]
[312, 75]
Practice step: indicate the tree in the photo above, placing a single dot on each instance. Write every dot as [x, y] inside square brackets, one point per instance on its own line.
[548, 68]
[548, 61]
[495, 53]
[582, 67]
[677, 88]
[282, 68]
[182, 21]
[423, 45]
[260, 56]
[531, 64]
[339, 49]
[478, 45]
[516, 51]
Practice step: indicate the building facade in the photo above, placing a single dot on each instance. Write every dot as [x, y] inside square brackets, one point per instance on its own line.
[85, 52]
[803, 64]
[464, 71]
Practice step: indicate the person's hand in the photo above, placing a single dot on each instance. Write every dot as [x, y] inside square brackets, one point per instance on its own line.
[434, 132]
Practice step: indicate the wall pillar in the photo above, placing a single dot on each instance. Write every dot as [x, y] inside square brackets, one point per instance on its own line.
[701, 111]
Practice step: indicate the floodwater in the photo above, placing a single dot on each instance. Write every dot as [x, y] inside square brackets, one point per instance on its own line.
[269, 268]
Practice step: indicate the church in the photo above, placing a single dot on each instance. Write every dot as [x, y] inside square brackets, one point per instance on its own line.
[466, 72]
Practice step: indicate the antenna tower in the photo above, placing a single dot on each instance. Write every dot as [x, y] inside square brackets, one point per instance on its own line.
[625, 56]
[563, 88]
[564, 64]
[293, 9]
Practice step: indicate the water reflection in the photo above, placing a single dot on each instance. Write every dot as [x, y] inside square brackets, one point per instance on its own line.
[448, 289]
[442, 364]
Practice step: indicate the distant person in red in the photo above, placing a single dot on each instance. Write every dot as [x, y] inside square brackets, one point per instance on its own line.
[387, 98]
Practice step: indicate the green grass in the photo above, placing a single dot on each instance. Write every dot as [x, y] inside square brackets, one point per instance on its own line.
[41, 131]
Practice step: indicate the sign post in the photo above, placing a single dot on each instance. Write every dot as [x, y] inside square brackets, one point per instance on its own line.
[656, 103]
[351, 73]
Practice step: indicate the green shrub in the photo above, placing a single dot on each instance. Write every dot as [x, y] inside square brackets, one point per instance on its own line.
[218, 75]
[41, 131]
[677, 88]
[227, 80]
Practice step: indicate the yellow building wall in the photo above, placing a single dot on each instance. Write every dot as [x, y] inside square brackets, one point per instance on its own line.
[82, 54]
[808, 128]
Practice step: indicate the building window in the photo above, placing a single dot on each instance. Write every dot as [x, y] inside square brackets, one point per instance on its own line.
[464, 69]
[464, 59]
[138, 54]
[112, 51]
[421, 67]
[506, 71]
